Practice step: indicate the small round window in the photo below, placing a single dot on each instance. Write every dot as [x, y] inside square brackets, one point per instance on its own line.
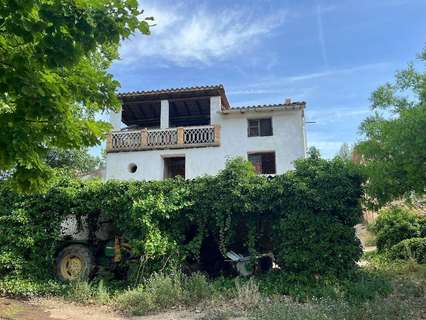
[133, 167]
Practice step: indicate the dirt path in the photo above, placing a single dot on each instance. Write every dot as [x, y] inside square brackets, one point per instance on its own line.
[57, 309]
[365, 237]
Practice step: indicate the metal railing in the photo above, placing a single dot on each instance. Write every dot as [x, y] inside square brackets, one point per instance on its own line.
[148, 139]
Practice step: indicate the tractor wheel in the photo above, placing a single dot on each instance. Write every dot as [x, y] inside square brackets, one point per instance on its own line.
[74, 262]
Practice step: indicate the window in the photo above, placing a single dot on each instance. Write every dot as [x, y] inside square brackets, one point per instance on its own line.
[174, 167]
[263, 162]
[260, 127]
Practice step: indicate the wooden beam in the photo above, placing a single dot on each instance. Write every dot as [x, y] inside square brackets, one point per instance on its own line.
[197, 103]
[186, 108]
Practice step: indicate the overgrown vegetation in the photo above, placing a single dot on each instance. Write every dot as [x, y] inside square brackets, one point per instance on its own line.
[177, 223]
[172, 224]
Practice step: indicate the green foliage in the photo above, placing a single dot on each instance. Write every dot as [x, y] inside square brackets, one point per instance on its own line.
[54, 79]
[316, 244]
[394, 225]
[29, 288]
[76, 162]
[169, 222]
[394, 147]
[413, 248]
[357, 287]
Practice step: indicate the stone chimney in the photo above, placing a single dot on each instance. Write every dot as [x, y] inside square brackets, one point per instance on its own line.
[287, 101]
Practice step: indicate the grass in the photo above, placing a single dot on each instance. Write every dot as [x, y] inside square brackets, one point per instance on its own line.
[406, 300]
[382, 289]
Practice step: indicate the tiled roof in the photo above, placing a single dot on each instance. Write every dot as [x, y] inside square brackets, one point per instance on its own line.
[212, 90]
[169, 93]
[171, 90]
[267, 107]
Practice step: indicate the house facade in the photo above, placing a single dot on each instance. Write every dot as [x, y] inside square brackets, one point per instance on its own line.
[193, 131]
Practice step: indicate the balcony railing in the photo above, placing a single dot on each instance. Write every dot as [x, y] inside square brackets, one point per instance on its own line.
[148, 139]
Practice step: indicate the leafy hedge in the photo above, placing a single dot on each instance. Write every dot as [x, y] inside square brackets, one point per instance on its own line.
[304, 216]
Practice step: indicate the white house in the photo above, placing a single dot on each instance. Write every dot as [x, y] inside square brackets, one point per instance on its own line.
[193, 131]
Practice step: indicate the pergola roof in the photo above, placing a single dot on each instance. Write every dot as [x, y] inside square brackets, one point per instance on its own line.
[177, 93]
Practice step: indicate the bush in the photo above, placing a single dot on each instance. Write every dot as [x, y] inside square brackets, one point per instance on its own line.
[315, 244]
[414, 248]
[394, 225]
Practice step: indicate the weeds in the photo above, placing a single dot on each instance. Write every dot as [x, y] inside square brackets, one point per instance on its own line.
[380, 309]
[247, 295]
[162, 291]
[384, 289]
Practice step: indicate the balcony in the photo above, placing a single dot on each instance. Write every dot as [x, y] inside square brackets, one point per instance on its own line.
[170, 138]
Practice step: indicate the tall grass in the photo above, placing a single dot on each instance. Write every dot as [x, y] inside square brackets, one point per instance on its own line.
[161, 291]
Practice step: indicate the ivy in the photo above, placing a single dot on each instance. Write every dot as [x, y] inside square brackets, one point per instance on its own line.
[172, 220]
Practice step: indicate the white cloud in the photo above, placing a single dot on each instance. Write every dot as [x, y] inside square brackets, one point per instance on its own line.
[321, 37]
[185, 35]
[334, 72]
[332, 115]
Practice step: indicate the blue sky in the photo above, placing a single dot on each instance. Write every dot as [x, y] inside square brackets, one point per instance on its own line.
[331, 54]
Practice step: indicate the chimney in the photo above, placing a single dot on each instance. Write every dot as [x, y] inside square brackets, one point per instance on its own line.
[287, 101]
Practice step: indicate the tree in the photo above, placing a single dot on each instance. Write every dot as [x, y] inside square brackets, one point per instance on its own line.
[345, 152]
[54, 60]
[394, 147]
[76, 162]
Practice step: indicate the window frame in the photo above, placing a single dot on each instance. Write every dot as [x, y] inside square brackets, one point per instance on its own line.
[258, 127]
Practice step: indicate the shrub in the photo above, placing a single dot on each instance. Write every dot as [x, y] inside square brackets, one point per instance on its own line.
[394, 225]
[315, 244]
[414, 248]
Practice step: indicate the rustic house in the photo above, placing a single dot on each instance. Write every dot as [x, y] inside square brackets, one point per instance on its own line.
[193, 131]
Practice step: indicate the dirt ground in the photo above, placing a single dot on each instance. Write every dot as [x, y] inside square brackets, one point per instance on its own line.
[364, 236]
[57, 309]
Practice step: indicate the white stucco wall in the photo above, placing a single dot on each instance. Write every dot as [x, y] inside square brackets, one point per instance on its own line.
[288, 142]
